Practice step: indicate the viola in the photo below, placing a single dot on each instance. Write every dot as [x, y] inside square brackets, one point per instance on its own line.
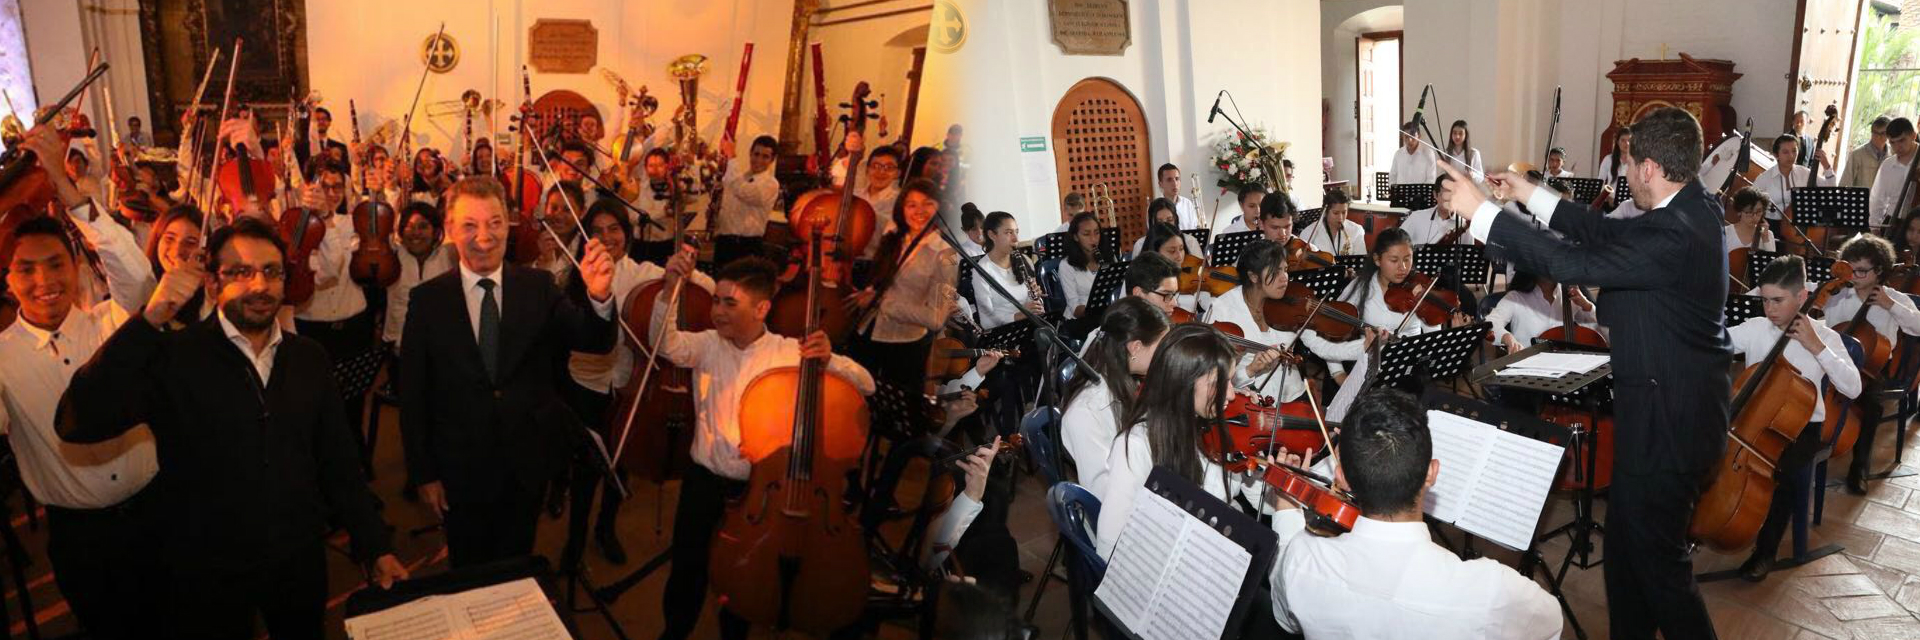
[852, 220]
[1329, 511]
[302, 229]
[951, 358]
[1256, 425]
[374, 261]
[1299, 310]
[1434, 308]
[1192, 270]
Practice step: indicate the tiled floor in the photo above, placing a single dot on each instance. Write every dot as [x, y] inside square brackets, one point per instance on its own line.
[1871, 590]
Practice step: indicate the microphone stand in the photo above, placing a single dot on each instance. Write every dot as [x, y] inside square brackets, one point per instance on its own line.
[1041, 326]
[1272, 163]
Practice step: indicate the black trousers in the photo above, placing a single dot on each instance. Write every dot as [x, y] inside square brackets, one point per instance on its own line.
[485, 524]
[1649, 573]
[1790, 488]
[591, 406]
[729, 248]
[345, 339]
[1870, 411]
[703, 501]
[289, 593]
[901, 364]
[108, 566]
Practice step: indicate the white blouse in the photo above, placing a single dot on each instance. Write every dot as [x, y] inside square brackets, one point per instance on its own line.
[1352, 239]
[995, 310]
[1288, 384]
[1730, 239]
[1077, 285]
[1087, 429]
[1128, 465]
[1527, 314]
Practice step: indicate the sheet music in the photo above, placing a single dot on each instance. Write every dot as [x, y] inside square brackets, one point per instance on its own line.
[1492, 484]
[1556, 365]
[515, 610]
[1171, 576]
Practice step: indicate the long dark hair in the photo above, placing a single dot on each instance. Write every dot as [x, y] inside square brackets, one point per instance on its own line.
[887, 260]
[1466, 141]
[1613, 167]
[1158, 234]
[1165, 408]
[1162, 203]
[1899, 238]
[1363, 283]
[917, 163]
[1127, 319]
[1075, 256]
[994, 221]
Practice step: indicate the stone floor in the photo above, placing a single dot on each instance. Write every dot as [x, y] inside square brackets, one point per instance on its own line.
[1871, 590]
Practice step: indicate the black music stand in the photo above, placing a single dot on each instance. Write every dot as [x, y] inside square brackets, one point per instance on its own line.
[1582, 189]
[1106, 288]
[1592, 390]
[1199, 236]
[1516, 422]
[1306, 218]
[1259, 540]
[1740, 307]
[1620, 189]
[1110, 242]
[1818, 269]
[1052, 246]
[1380, 184]
[1470, 258]
[1326, 284]
[1842, 207]
[1412, 197]
[1227, 246]
[1436, 355]
[1009, 336]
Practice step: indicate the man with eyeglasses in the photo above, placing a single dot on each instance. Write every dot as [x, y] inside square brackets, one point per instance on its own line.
[1864, 161]
[749, 193]
[99, 540]
[337, 316]
[255, 457]
[1890, 312]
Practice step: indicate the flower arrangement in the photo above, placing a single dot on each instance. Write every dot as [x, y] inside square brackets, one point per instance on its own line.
[1240, 160]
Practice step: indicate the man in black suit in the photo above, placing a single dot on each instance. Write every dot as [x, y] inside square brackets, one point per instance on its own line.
[1663, 277]
[256, 461]
[483, 422]
[308, 145]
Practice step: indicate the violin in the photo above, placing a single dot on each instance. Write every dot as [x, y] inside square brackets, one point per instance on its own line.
[302, 229]
[1256, 424]
[1435, 306]
[24, 189]
[1301, 256]
[1192, 270]
[1241, 344]
[374, 261]
[1299, 310]
[852, 220]
[1328, 511]
[951, 359]
[1007, 445]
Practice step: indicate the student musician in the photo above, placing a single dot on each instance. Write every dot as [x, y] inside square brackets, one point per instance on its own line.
[1097, 402]
[175, 242]
[1864, 161]
[1893, 170]
[1151, 277]
[1893, 314]
[1082, 262]
[1751, 205]
[1412, 161]
[880, 186]
[1906, 239]
[1431, 225]
[1334, 232]
[1391, 267]
[1779, 183]
[1013, 273]
[654, 229]
[1460, 147]
[1612, 166]
[921, 297]
[1186, 211]
[1249, 197]
[724, 360]
[556, 213]
[1162, 211]
[1557, 163]
[1185, 387]
[1391, 578]
[749, 193]
[1171, 244]
[1276, 222]
[1532, 306]
[1818, 355]
[1263, 277]
[971, 224]
[423, 257]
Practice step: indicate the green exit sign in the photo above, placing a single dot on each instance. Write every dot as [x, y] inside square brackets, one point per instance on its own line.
[1031, 144]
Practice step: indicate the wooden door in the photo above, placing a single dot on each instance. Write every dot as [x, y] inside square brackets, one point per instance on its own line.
[1101, 137]
[1363, 108]
[1822, 65]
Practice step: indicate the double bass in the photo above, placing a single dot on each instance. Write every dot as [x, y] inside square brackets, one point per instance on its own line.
[852, 220]
[789, 555]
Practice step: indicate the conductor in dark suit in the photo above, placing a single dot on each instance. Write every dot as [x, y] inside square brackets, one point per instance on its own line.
[1663, 277]
[482, 419]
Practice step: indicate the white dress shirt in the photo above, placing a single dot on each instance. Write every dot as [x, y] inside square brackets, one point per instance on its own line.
[1287, 384]
[1776, 185]
[1188, 212]
[335, 295]
[1418, 167]
[722, 372]
[1352, 239]
[948, 528]
[882, 204]
[995, 310]
[470, 285]
[1730, 239]
[413, 271]
[1193, 246]
[1527, 314]
[972, 248]
[1474, 168]
[262, 359]
[921, 298]
[604, 372]
[1087, 429]
[1886, 188]
[1891, 322]
[1756, 337]
[748, 200]
[38, 364]
[1077, 285]
[1427, 227]
[1128, 465]
[1605, 172]
[1389, 580]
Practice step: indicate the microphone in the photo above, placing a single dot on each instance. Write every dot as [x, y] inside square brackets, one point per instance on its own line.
[1419, 111]
[1556, 104]
[1216, 106]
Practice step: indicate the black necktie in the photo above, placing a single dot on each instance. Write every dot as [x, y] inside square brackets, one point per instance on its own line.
[489, 330]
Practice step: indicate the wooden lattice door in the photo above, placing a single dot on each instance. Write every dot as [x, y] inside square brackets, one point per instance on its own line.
[1100, 137]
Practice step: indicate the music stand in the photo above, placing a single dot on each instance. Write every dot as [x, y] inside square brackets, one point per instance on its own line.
[1470, 258]
[1582, 189]
[1843, 207]
[1259, 540]
[1516, 422]
[1380, 184]
[1440, 354]
[1741, 307]
[1052, 246]
[1306, 217]
[366, 601]
[1326, 284]
[1412, 197]
[1199, 235]
[1818, 269]
[1592, 390]
[1227, 246]
[1110, 242]
[1106, 288]
[1009, 336]
[1620, 188]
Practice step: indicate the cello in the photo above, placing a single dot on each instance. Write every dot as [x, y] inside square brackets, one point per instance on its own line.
[789, 555]
[852, 219]
[374, 261]
[1569, 331]
[660, 403]
[523, 188]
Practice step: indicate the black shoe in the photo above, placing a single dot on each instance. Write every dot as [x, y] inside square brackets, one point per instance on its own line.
[610, 547]
[1857, 482]
[1756, 568]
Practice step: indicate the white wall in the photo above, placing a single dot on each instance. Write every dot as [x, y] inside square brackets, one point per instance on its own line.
[877, 50]
[369, 51]
[1012, 76]
[59, 37]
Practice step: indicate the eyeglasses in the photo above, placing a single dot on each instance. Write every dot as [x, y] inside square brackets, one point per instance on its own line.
[272, 273]
[1165, 295]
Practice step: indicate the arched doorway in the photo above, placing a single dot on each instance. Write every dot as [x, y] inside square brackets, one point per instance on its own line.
[1100, 137]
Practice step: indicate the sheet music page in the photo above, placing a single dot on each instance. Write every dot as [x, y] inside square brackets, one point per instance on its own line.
[1461, 447]
[1511, 489]
[515, 610]
[1141, 558]
[1199, 593]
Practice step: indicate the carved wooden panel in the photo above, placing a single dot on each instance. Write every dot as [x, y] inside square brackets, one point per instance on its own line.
[1702, 87]
[180, 36]
[1101, 137]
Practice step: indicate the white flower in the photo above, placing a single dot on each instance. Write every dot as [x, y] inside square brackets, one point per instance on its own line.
[1254, 174]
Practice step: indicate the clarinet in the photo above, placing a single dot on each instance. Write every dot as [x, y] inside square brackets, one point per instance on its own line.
[1023, 270]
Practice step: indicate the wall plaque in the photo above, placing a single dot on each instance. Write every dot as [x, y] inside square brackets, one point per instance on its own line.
[563, 46]
[1090, 27]
[440, 53]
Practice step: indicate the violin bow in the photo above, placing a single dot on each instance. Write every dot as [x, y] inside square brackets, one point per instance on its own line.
[219, 150]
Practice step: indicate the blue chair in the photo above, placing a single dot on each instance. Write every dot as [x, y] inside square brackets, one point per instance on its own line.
[1050, 282]
[1488, 303]
[1038, 429]
[1817, 484]
[1075, 512]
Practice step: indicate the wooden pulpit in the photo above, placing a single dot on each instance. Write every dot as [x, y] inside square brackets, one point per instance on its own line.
[1703, 88]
